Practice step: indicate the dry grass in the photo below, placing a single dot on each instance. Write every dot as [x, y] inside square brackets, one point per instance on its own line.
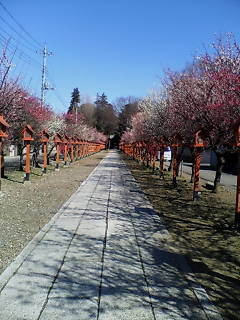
[203, 232]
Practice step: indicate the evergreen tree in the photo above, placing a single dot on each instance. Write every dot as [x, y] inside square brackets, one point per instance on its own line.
[125, 116]
[74, 104]
[106, 118]
[101, 100]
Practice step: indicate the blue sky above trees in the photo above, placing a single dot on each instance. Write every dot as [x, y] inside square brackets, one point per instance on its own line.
[117, 47]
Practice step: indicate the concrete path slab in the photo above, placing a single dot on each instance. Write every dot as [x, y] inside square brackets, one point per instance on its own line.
[105, 255]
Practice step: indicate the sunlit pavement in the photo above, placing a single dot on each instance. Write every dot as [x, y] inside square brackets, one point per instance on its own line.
[105, 255]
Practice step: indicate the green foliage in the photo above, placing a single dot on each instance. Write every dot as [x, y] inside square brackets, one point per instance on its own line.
[125, 116]
[106, 117]
[88, 110]
[74, 104]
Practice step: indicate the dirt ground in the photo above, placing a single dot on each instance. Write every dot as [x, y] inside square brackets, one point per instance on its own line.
[26, 207]
[202, 231]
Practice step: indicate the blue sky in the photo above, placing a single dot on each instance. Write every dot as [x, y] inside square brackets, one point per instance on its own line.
[118, 47]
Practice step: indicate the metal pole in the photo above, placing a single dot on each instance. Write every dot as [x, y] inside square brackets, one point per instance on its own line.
[43, 75]
[44, 85]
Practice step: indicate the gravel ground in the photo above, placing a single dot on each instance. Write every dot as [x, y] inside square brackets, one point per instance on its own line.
[26, 207]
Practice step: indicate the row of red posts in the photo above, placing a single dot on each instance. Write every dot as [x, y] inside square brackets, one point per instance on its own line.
[69, 146]
[143, 151]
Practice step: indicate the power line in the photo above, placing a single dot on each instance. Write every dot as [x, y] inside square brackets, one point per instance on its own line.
[57, 93]
[25, 57]
[16, 40]
[22, 37]
[14, 49]
[60, 99]
[20, 26]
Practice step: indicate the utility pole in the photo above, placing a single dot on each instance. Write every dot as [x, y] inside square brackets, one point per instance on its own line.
[45, 86]
[76, 105]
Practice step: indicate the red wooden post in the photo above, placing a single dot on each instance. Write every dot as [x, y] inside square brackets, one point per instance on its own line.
[71, 149]
[136, 151]
[161, 160]
[77, 148]
[148, 154]
[174, 166]
[87, 148]
[196, 184]
[237, 206]
[80, 149]
[27, 137]
[198, 144]
[3, 134]
[141, 152]
[45, 157]
[57, 141]
[154, 153]
[83, 148]
[44, 140]
[1, 160]
[65, 141]
[176, 144]
[28, 158]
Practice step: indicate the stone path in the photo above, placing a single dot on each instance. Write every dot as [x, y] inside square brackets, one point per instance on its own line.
[105, 255]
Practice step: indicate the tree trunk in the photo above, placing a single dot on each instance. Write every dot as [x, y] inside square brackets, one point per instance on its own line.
[174, 164]
[193, 165]
[220, 164]
[171, 162]
[2, 167]
[192, 174]
[21, 148]
[35, 162]
[48, 155]
[179, 159]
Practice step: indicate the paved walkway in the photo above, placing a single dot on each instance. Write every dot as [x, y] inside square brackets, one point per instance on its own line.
[105, 255]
